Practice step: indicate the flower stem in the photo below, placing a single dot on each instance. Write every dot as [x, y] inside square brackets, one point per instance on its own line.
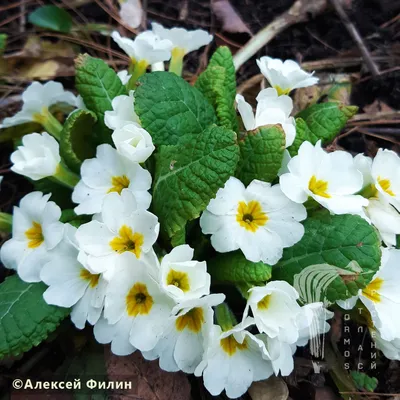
[224, 316]
[49, 122]
[138, 71]
[176, 63]
[5, 222]
[65, 176]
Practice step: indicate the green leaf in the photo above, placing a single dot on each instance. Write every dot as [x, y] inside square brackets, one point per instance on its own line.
[76, 142]
[5, 222]
[235, 268]
[261, 154]
[339, 241]
[98, 85]
[363, 381]
[218, 84]
[170, 109]
[321, 121]
[26, 319]
[61, 195]
[189, 175]
[51, 17]
[3, 42]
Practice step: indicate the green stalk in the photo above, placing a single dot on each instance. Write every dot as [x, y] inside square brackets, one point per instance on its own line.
[138, 71]
[65, 176]
[176, 63]
[49, 122]
[224, 316]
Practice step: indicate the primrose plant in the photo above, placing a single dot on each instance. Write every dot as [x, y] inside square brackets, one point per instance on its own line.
[176, 190]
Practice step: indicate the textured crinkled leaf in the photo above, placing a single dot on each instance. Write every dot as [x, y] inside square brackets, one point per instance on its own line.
[233, 267]
[76, 142]
[336, 240]
[170, 109]
[261, 154]
[322, 121]
[98, 84]
[26, 319]
[363, 381]
[218, 84]
[189, 175]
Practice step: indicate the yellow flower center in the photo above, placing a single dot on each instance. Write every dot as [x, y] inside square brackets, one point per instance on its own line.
[178, 279]
[250, 215]
[34, 235]
[371, 291]
[385, 185]
[92, 278]
[193, 320]
[128, 241]
[230, 345]
[318, 187]
[119, 183]
[138, 300]
[264, 303]
[281, 91]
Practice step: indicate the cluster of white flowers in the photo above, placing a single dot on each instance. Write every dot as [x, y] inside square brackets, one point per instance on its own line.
[108, 272]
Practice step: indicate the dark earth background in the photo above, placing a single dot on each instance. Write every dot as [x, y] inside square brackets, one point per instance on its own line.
[71, 353]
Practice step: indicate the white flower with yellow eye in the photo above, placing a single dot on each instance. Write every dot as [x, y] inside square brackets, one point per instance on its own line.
[329, 178]
[183, 278]
[123, 228]
[382, 296]
[38, 157]
[136, 310]
[233, 360]
[271, 110]
[124, 77]
[259, 220]
[379, 211]
[71, 284]
[147, 48]
[123, 112]
[108, 173]
[37, 99]
[131, 12]
[133, 142]
[391, 349]
[285, 76]
[181, 346]
[275, 310]
[182, 40]
[36, 230]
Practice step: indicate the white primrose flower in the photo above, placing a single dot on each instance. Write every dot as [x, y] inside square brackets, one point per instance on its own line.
[136, 310]
[71, 284]
[259, 220]
[124, 76]
[233, 360]
[382, 296]
[271, 110]
[181, 278]
[38, 157]
[147, 48]
[37, 98]
[285, 76]
[133, 142]
[391, 349]
[275, 310]
[181, 346]
[123, 228]
[36, 230]
[80, 104]
[183, 41]
[123, 112]
[131, 12]
[329, 178]
[108, 173]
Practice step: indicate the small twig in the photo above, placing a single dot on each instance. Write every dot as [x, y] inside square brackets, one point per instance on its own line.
[368, 133]
[376, 118]
[373, 68]
[299, 12]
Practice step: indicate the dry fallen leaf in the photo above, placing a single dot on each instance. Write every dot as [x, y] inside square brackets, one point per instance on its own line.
[376, 107]
[273, 388]
[149, 382]
[231, 21]
[305, 97]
